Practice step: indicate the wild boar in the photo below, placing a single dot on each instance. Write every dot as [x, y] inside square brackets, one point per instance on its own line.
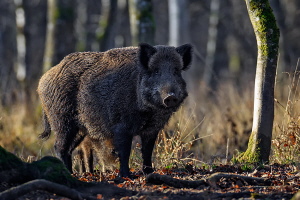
[104, 152]
[115, 94]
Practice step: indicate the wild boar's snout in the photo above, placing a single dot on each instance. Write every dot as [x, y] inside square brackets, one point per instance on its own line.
[170, 100]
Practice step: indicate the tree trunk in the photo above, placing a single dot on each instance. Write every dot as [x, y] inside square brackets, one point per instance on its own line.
[35, 36]
[267, 36]
[108, 39]
[211, 42]
[178, 22]
[49, 43]
[142, 21]
[8, 53]
[123, 33]
[93, 12]
[64, 30]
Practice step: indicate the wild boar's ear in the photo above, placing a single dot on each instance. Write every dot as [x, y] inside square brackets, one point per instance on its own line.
[186, 52]
[145, 53]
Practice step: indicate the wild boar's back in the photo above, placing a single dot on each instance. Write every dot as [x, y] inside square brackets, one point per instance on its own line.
[58, 88]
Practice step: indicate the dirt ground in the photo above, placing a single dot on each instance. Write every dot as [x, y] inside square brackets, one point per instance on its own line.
[278, 182]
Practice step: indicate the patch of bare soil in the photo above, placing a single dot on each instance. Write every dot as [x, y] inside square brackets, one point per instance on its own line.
[221, 182]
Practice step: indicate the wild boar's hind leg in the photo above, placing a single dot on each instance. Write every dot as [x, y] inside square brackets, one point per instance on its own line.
[148, 141]
[66, 141]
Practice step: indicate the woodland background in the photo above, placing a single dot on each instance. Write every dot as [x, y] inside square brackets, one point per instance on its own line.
[215, 121]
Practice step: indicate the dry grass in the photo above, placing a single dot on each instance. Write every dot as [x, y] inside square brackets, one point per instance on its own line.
[228, 121]
[18, 133]
[286, 134]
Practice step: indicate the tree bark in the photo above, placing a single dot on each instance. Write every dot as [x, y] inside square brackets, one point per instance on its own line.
[93, 11]
[123, 33]
[142, 21]
[178, 22]
[108, 39]
[64, 30]
[35, 36]
[211, 42]
[9, 86]
[267, 36]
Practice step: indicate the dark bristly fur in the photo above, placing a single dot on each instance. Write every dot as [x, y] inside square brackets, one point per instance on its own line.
[114, 94]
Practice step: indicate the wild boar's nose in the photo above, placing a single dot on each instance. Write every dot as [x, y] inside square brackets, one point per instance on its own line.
[171, 100]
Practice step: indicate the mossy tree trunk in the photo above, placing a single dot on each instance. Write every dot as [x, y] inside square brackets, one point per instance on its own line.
[142, 21]
[267, 36]
[108, 39]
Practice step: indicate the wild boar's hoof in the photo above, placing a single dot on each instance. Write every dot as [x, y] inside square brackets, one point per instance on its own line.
[148, 170]
[171, 100]
[125, 175]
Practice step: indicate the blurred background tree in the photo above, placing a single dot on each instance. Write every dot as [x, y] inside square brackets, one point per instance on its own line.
[36, 34]
[8, 54]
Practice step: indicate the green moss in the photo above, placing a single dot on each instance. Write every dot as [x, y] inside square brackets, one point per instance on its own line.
[255, 195]
[64, 12]
[146, 15]
[80, 46]
[251, 155]
[263, 19]
[9, 160]
[48, 168]
[52, 169]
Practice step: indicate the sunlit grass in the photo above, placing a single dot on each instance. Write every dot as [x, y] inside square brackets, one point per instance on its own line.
[18, 133]
[286, 134]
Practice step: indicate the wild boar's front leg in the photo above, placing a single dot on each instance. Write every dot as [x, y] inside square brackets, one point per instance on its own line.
[122, 142]
[148, 141]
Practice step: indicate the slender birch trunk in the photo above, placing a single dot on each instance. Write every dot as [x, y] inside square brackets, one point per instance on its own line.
[267, 36]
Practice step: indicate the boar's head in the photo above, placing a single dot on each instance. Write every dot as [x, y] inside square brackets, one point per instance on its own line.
[160, 81]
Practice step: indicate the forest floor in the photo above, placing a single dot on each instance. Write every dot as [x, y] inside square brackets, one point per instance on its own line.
[234, 182]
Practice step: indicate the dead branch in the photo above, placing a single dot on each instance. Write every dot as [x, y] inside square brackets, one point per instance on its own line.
[158, 179]
[41, 184]
[212, 180]
[248, 180]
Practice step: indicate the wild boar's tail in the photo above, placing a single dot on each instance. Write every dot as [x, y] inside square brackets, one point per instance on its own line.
[47, 129]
